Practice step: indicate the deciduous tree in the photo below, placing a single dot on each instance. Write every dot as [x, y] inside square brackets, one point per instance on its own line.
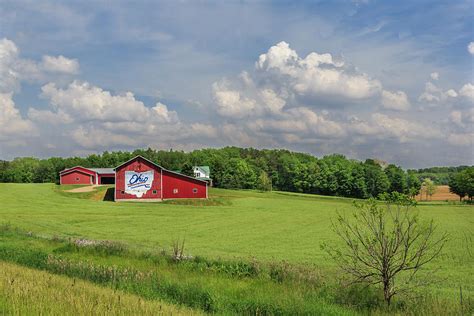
[380, 243]
[429, 187]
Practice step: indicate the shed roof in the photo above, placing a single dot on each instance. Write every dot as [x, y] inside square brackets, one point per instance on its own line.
[102, 170]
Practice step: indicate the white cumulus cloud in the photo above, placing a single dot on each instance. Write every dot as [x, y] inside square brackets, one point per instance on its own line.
[8, 74]
[231, 103]
[434, 95]
[60, 64]
[315, 75]
[467, 91]
[96, 119]
[12, 125]
[470, 48]
[84, 101]
[14, 69]
[384, 127]
[397, 100]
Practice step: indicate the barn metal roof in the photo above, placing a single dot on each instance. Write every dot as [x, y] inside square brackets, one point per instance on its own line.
[102, 170]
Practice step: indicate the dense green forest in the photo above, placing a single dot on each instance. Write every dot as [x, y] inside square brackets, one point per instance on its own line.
[246, 168]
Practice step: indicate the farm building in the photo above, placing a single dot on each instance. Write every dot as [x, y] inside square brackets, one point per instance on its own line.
[203, 173]
[81, 175]
[140, 179]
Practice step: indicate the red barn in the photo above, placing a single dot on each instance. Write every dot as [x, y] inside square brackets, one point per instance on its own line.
[81, 175]
[140, 179]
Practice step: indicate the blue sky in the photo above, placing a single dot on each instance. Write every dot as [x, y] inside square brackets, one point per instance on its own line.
[384, 79]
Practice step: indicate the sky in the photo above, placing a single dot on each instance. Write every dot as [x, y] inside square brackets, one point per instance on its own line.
[392, 80]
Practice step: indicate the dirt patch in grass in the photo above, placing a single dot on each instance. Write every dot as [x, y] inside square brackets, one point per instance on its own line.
[442, 194]
[83, 189]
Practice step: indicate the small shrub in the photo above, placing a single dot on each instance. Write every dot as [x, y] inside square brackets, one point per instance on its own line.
[188, 294]
[237, 269]
[359, 296]
[5, 227]
[279, 271]
[27, 257]
[251, 306]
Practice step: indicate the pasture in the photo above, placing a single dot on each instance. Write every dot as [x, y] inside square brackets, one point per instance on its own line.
[232, 226]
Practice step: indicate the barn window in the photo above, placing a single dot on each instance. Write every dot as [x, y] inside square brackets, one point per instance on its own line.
[122, 192]
[195, 190]
[77, 179]
[154, 191]
[175, 191]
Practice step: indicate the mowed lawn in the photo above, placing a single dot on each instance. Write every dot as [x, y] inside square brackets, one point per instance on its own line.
[245, 224]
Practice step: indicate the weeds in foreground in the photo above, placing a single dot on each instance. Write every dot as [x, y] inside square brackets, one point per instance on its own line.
[178, 250]
[25, 291]
[242, 286]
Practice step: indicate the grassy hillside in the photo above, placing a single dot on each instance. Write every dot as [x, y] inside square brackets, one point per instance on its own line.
[26, 291]
[232, 225]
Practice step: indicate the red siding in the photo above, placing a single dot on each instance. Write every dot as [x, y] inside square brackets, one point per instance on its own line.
[187, 188]
[184, 186]
[138, 165]
[77, 177]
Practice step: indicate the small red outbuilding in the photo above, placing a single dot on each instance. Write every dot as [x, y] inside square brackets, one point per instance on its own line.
[89, 176]
[140, 179]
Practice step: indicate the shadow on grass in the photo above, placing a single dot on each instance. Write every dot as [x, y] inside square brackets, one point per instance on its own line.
[109, 195]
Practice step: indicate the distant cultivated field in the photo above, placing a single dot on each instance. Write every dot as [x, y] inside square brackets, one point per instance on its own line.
[232, 225]
[442, 194]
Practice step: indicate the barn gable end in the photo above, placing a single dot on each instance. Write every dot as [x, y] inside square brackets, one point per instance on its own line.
[165, 184]
[77, 175]
[138, 165]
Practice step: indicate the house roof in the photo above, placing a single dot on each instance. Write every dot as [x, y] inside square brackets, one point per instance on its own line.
[102, 170]
[157, 165]
[204, 169]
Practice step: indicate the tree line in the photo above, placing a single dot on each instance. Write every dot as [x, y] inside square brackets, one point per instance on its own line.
[439, 175]
[242, 168]
[462, 183]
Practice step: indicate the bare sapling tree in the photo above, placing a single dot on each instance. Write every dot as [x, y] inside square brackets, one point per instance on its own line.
[384, 242]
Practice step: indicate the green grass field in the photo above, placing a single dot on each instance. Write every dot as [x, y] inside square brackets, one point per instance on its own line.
[30, 292]
[232, 225]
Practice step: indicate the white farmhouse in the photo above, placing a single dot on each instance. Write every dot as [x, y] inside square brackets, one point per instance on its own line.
[203, 173]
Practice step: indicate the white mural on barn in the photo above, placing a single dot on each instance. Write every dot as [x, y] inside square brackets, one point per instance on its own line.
[138, 183]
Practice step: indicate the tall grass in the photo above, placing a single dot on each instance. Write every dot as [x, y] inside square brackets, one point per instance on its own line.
[243, 287]
[25, 291]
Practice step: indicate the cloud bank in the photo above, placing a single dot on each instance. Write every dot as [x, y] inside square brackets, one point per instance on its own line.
[318, 103]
